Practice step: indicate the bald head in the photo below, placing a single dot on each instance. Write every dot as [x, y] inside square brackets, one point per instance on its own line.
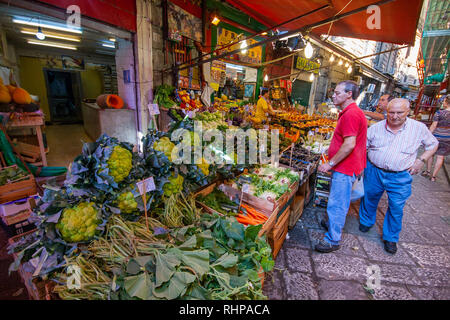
[398, 103]
[397, 112]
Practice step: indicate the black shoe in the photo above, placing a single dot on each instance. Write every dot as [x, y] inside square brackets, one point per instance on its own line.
[363, 228]
[390, 247]
[326, 247]
[324, 224]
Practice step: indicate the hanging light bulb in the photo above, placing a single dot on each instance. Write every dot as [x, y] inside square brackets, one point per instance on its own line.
[340, 62]
[349, 70]
[311, 77]
[332, 58]
[266, 78]
[244, 47]
[346, 64]
[39, 34]
[308, 50]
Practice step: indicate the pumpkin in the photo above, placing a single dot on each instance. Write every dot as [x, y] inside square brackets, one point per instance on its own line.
[11, 89]
[110, 101]
[5, 96]
[21, 96]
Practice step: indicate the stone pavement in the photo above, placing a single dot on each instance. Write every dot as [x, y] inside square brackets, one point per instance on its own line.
[420, 270]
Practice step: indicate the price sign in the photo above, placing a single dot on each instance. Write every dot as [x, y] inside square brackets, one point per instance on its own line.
[153, 109]
[266, 127]
[246, 188]
[149, 184]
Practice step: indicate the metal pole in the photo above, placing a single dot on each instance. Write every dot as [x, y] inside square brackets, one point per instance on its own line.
[276, 37]
[381, 52]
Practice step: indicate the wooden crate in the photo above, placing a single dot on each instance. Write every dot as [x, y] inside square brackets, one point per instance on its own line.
[278, 234]
[38, 289]
[18, 190]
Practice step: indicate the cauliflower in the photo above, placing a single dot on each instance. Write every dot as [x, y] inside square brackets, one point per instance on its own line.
[164, 145]
[119, 163]
[127, 203]
[78, 223]
[175, 185]
[269, 195]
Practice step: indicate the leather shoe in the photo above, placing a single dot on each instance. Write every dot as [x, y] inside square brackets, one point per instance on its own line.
[326, 247]
[324, 224]
[363, 228]
[390, 247]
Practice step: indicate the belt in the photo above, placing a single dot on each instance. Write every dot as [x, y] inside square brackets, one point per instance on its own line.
[385, 170]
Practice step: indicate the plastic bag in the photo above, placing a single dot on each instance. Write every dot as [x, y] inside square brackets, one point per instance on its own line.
[357, 189]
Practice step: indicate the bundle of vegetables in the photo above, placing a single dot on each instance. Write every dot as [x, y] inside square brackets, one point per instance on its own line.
[220, 202]
[66, 219]
[250, 216]
[162, 96]
[11, 174]
[215, 258]
[267, 182]
[210, 120]
[104, 165]
[178, 210]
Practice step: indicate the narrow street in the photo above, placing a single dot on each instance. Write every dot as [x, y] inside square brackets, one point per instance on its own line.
[420, 270]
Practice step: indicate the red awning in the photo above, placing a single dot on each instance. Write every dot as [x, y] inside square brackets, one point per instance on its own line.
[398, 18]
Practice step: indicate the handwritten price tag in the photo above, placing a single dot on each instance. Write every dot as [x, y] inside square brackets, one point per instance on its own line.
[153, 109]
[246, 188]
[149, 185]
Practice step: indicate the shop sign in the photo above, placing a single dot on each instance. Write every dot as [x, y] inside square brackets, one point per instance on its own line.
[225, 37]
[218, 74]
[307, 65]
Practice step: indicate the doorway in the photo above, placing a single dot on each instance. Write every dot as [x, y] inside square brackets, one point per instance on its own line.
[64, 95]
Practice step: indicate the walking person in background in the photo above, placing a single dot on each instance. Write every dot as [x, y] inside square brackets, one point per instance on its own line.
[441, 130]
[381, 108]
[392, 146]
[347, 154]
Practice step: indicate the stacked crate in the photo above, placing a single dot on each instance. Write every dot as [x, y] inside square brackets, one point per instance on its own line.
[17, 199]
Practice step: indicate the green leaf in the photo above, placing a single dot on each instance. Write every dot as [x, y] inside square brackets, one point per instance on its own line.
[165, 267]
[191, 243]
[227, 260]
[251, 232]
[236, 281]
[197, 260]
[139, 286]
[233, 229]
[197, 293]
[252, 275]
[267, 264]
[176, 287]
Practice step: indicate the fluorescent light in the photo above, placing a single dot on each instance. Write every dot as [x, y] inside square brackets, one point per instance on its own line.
[50, 35]
[112, 39]
[235, 67]
[52, 44]
[108, 45]
[46, 25]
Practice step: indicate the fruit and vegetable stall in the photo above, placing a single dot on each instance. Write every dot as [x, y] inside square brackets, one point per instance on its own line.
[131, 222]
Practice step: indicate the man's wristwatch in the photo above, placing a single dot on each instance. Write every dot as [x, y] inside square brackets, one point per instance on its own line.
[331, 163]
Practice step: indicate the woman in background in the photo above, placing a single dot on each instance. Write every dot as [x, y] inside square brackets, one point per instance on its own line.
[441, 130]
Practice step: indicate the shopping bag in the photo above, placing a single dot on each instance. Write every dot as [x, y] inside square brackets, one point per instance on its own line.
[357, 189]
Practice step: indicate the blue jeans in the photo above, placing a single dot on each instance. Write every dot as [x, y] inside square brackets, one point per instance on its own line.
[398, 188]
[338, 205]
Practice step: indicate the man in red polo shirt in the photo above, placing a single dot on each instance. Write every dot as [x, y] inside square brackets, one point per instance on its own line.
[347, 154]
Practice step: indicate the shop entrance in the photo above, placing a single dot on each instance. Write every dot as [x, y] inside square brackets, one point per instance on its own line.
[301, 91]
[64, 96]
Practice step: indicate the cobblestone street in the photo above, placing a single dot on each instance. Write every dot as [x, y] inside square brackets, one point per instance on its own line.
[420, 270]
